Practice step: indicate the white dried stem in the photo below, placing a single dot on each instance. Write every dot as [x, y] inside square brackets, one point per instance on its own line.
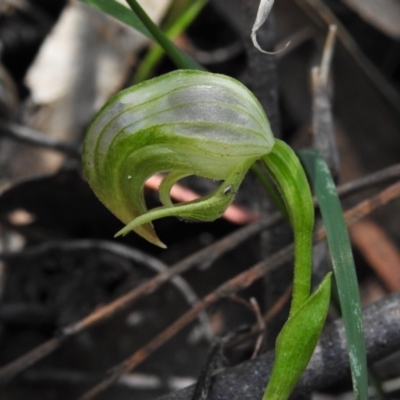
[262, 14]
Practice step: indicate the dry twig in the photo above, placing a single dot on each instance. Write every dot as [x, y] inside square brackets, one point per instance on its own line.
[260, 328]
[324, 137]
[203, 257]
[39, 139]
[255, 329]
[379, 250]
[239, 282]
[329, 363]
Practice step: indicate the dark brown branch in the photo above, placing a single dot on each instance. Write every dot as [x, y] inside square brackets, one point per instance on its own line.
[239, 282]
[328, 365]
[203, 257]
[134, 255]
[261, 73]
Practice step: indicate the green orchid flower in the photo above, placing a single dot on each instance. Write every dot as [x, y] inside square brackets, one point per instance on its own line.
[191, 122]
[184, 123]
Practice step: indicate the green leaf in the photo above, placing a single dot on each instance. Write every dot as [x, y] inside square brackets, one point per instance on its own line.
[297, 341]
[120, 12]
[139, 20]
[343, 265]
[181, 59]
[155, 54]
[176, 9]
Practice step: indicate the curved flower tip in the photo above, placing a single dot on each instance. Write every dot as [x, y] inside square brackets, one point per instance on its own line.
[184, 123]
[207, 208]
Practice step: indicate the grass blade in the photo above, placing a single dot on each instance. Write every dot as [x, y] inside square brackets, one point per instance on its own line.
[121, 13]
[155, 54]
[181, 59]
[343, 265]
[139, 20]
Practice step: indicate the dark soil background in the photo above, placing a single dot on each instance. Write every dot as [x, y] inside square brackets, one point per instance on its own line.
[58, 259]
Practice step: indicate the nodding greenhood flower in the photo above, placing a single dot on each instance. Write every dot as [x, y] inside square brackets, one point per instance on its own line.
[184, 123]
[197, 123]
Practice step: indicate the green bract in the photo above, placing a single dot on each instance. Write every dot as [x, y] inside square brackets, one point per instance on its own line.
[196, 123]
[185, 122]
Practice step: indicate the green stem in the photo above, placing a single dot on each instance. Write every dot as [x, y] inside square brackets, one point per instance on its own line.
[181, 59]
[289, 176]
[298, 338]
[155, 54]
